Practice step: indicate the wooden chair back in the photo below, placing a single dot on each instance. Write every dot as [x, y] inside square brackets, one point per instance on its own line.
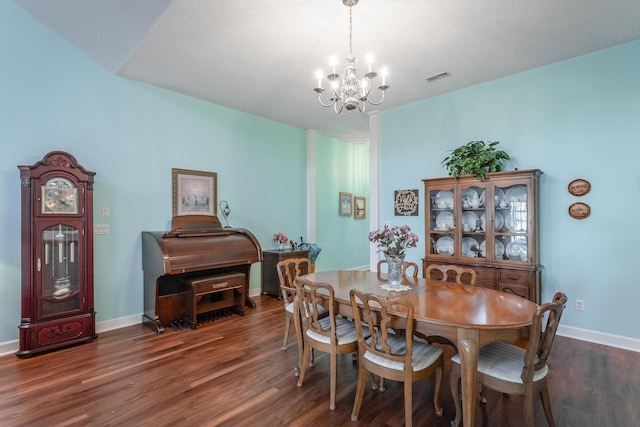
[314, 299]
[372, 311]
[451, 273]
[542, 336]
[288, 270]
[407, 267]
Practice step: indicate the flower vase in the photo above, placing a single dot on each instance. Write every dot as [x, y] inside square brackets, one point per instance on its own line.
[394, 272]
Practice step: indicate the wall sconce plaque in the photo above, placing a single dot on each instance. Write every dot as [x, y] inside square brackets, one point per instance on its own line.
[579, 187]
[579, 210]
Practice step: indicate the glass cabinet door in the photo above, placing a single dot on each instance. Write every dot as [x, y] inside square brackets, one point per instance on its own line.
[441, 221]
[512, 215]
[59, 271]
[473, 221]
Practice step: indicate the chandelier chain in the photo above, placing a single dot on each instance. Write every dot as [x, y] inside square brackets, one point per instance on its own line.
[350, 32]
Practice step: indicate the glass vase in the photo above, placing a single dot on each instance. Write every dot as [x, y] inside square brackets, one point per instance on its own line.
[394, 272]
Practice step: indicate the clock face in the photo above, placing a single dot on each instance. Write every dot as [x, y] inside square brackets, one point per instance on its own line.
[59, 195]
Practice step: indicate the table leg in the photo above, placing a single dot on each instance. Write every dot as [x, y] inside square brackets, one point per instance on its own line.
[468, 343]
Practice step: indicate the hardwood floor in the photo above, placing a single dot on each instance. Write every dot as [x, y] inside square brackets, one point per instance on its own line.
[232, 373]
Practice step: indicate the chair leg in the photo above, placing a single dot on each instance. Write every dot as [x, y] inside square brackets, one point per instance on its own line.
[333, 381]
[483, 394]
[436, 389]
[362, 383]
[546, 405]
[408, 403]
[303, 364]
[287, 325]
[527, 408]
[455, 393]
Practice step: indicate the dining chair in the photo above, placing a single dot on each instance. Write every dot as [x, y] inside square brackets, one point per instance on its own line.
[510, 369]
[331, 334]
[288, 270]
[448, 273]
[406, 266]
[392, 356]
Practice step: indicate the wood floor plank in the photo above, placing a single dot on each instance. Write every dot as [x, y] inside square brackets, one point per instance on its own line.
[232, 373]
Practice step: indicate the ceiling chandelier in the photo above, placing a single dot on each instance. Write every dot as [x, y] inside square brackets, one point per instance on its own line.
[349, 91]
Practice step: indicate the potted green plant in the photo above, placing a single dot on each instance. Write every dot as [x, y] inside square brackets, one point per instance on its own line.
[475, 158]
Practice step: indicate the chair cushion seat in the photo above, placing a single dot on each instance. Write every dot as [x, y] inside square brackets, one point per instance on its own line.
[503, 361]
[345, 331]
[424, 355]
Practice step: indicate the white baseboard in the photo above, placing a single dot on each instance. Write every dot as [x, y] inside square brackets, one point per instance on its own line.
[602, 338]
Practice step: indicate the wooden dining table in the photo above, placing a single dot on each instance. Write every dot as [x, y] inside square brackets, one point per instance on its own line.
[468, 316]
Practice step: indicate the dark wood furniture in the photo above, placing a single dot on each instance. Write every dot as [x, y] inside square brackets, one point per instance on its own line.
[196, 267]
[57, 254]
[270, 281]
[490, 226]
[480, 317]
[215, 292]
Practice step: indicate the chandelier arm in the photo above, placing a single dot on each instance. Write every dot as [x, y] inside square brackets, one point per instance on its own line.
[333, 101]
[376, 103]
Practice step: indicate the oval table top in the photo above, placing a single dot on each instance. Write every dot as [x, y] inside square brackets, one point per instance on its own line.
[437, 303]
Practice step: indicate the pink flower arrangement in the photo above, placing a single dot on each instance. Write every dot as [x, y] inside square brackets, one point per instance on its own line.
[280, 238]
[394, 240]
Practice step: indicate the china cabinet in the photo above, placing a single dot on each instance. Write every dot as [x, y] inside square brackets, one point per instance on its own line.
[57, 254]
[489, 225]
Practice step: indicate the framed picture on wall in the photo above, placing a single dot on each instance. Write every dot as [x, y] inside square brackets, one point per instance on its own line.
[194, 192]
[360, 207]
[345, 203]
[405, 203]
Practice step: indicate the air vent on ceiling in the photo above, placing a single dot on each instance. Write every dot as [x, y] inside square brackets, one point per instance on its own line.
[437, 76]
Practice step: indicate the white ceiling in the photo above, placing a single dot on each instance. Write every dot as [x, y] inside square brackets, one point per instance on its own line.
[260, 56]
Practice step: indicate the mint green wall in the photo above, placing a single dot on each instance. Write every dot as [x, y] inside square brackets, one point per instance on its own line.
[340, 167]
[56, 98]
[574, 119]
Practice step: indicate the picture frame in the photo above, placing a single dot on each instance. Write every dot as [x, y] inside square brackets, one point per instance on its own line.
[345, 203]
[579, 187]
[360, 207]
[405, 203]
[579, 210]
[194, 192]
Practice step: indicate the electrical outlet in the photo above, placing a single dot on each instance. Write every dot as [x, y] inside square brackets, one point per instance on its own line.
[105, 212]
[387, 224]
[101, 229]
[579, 305]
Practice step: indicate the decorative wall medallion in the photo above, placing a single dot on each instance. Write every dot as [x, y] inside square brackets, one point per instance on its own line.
[405, 203]
[579, 210]
[579, 187]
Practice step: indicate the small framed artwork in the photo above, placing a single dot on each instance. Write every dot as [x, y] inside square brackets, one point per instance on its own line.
[360, 207]
[345, 203]
[579, 210]
[579, 187]
[405, 203]
[194, 192]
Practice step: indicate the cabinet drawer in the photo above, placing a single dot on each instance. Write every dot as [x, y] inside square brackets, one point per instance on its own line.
[513, 276]
[485, 275]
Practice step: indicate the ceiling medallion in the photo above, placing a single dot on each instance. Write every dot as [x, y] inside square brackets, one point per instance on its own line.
[348, 91]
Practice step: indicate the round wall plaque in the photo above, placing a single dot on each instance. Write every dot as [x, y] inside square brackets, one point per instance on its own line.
[579, 210]
[579, 187]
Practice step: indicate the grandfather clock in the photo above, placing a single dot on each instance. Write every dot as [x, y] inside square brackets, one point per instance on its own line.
[57, 254]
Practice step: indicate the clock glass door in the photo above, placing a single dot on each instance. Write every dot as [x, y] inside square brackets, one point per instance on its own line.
[59, 270]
